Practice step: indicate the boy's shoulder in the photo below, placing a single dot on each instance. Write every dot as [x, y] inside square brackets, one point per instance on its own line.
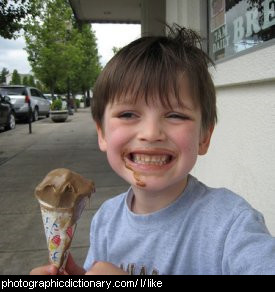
[219, 200]
[221, 195]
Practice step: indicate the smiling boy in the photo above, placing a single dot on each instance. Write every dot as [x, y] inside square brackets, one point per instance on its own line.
[153, 147]
[152, 117]
[154, 106]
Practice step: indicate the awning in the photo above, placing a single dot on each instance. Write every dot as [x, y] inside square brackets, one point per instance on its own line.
[106, 11]
[230, 3]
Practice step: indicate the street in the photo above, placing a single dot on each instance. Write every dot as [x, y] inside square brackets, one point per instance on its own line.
[24, 161]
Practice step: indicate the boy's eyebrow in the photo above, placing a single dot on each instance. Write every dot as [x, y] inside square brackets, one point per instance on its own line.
[122, 103]
[181, 104]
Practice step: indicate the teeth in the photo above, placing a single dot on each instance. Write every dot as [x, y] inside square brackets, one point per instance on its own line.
[150, 159]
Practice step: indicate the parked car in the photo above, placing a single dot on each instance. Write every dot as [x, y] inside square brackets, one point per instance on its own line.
[7, 114]
[51, 97]
[21, 96]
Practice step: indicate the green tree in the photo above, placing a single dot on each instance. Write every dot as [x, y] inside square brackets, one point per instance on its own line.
[39, 85]
[3, 75]
[31, 81]
[84, 65]
[116, 50]
[25, 80]
[91, 66]
[46, 41]
[15, 79]
[63, 55]
[13, 13]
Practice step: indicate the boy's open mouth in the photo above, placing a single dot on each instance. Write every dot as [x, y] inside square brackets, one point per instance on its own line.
[150, 158]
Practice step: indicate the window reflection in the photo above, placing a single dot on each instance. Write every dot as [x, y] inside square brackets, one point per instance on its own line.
[237, 25]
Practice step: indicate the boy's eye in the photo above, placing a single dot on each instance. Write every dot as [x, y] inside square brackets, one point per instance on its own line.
[177, 116]
[126, 115]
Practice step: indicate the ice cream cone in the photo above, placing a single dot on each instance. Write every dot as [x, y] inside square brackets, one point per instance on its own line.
[59, 231]
[62, 196]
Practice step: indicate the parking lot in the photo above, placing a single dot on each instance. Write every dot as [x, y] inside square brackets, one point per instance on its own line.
[24, 160]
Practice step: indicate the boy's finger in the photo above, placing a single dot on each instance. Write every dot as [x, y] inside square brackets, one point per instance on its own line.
[104, 268]
[44, 270]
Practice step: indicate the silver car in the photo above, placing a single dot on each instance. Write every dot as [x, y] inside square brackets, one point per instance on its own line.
[22, 96]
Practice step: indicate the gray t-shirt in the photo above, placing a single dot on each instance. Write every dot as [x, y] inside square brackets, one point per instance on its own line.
[205, 231]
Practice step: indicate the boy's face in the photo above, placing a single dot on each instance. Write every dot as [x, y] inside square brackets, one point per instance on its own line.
[153, 147]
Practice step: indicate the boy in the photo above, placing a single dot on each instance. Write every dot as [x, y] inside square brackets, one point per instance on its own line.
[155, 109]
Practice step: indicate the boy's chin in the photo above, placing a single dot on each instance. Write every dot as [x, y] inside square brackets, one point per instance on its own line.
[144, 181]
[147, 185]
[158, 185]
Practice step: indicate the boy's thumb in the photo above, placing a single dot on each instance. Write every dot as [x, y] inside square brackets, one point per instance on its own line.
[52, 270]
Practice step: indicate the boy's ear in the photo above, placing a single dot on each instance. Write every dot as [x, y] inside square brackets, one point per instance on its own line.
[205, 140]
[100, 137]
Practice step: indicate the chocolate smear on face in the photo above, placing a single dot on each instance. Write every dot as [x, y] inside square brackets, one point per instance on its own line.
[136, 175]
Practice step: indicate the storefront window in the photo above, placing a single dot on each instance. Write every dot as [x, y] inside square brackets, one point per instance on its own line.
[237, 25]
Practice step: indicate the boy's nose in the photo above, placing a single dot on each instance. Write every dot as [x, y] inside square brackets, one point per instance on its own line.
[151, 131]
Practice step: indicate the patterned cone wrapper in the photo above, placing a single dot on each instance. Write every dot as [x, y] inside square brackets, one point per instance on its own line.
[59, 226]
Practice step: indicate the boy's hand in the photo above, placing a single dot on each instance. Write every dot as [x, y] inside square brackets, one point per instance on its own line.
[45, 270]
[104, 268]
[71, 269]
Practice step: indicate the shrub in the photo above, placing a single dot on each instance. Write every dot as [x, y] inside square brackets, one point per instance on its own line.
[56, 105]
[77, 103]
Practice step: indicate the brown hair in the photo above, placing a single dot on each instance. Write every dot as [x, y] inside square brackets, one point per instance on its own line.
[153, 67]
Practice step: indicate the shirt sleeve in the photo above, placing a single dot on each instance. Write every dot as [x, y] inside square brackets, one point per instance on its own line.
[249, 249]
[89, 258]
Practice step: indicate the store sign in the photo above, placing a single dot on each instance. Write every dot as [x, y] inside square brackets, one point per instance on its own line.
[239, 24]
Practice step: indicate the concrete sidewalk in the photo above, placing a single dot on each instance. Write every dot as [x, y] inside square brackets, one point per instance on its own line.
[24, 160]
